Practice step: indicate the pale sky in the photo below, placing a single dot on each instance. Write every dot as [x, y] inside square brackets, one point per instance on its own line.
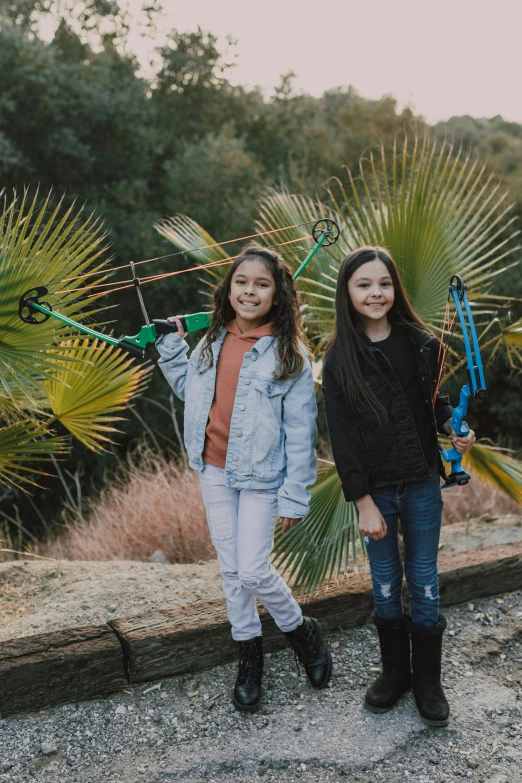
[444, 57]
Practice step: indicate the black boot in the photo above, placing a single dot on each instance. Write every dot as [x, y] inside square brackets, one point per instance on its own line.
[309, 647]
[395, 679]
[247, 691]
[426, 648]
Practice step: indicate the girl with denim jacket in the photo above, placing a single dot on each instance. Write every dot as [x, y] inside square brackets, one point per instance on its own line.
[250, 432]
[383, 408]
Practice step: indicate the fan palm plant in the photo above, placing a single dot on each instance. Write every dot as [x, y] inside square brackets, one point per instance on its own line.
[439, 214]
[45, 376]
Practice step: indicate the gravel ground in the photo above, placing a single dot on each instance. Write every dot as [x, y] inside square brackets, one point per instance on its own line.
[185, 728]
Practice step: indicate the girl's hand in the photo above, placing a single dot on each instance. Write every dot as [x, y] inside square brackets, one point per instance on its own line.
[371, 521]
[288, 522]
[175, 319]
[463, 444]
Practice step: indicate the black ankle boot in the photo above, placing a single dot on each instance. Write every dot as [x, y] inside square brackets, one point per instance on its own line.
[309, 647]
[247, 691]
[426, 647]
[395, 679]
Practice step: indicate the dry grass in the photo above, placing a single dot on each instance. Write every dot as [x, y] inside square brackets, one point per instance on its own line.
[151, 504]
[476, 501]
[154, 504]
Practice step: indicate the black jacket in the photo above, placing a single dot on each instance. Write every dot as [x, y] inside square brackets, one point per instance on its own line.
[370, 452]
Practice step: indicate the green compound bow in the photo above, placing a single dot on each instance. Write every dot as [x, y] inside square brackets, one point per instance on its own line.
[324, 232]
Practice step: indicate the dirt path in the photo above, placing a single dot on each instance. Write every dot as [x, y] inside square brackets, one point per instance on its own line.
[41, 596]
[37, 597]
[185, 729]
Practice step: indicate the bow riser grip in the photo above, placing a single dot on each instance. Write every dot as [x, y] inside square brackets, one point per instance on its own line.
[457, 419]
[163, 326]
[190, 323]
[451, 455]
[458, 475]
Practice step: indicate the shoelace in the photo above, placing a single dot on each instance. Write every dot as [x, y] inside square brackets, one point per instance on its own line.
[247, 658]
[297, 666]
[306, 641]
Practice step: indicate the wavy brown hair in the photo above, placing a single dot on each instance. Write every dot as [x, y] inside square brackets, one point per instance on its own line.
[284, 313]
[347, 345]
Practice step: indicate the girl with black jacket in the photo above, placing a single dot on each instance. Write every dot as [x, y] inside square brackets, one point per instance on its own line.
[380, 382]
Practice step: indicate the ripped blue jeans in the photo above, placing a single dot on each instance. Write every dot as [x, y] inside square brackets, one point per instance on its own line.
[419, 508]
[242, 524]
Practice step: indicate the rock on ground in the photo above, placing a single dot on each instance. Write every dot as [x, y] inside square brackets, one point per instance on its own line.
[185, 728]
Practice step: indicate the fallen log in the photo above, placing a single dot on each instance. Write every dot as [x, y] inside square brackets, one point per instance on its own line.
[61, 666]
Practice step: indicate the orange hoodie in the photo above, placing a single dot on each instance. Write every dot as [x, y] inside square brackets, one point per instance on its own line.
[230, 360]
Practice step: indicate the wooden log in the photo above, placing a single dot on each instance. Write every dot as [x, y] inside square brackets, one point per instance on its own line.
[178, 641]
[86, 663]
[62, 666]
[480, 572]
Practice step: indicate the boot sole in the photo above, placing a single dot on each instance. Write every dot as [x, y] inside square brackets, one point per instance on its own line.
[381, 710]
[244, 708]
[377, 710]
[435, 723]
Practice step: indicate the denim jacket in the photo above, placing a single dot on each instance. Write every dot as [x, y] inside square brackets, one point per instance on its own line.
[273, 426]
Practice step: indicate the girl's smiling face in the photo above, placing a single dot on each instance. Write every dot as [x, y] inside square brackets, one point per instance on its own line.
[370, 289]
[252, 291]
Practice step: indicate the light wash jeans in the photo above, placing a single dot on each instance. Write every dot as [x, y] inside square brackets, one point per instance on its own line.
[419, 508]
[242, 523]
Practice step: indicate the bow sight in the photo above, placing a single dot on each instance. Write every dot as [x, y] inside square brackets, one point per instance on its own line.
[33, 311]
[476, 386]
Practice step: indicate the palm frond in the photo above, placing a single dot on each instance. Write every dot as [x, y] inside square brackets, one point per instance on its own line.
[319, 547]
[41, 245]
[17, 406]
[22, 443]
[91, 384]
[436, 211]
[187, 235]
[496, 468]
[508, 341]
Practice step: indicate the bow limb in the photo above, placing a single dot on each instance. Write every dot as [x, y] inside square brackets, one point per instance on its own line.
[476, 386]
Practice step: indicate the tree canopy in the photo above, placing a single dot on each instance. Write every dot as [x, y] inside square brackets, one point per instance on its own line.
[78, 115]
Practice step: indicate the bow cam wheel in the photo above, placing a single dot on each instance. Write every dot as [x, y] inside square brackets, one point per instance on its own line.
[326, 227]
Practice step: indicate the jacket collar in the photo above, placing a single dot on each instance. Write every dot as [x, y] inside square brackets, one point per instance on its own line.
[263, 343]
[260, 347]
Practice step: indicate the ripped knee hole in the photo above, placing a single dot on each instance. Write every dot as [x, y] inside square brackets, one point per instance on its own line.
[386, 590]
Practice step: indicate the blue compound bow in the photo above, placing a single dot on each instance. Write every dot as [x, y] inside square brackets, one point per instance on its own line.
[476, 386]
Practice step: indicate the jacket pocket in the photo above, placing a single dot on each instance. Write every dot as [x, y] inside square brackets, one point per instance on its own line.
[267, 433]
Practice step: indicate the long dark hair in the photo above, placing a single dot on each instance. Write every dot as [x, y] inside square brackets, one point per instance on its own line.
[347, 343]
[284, 313]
